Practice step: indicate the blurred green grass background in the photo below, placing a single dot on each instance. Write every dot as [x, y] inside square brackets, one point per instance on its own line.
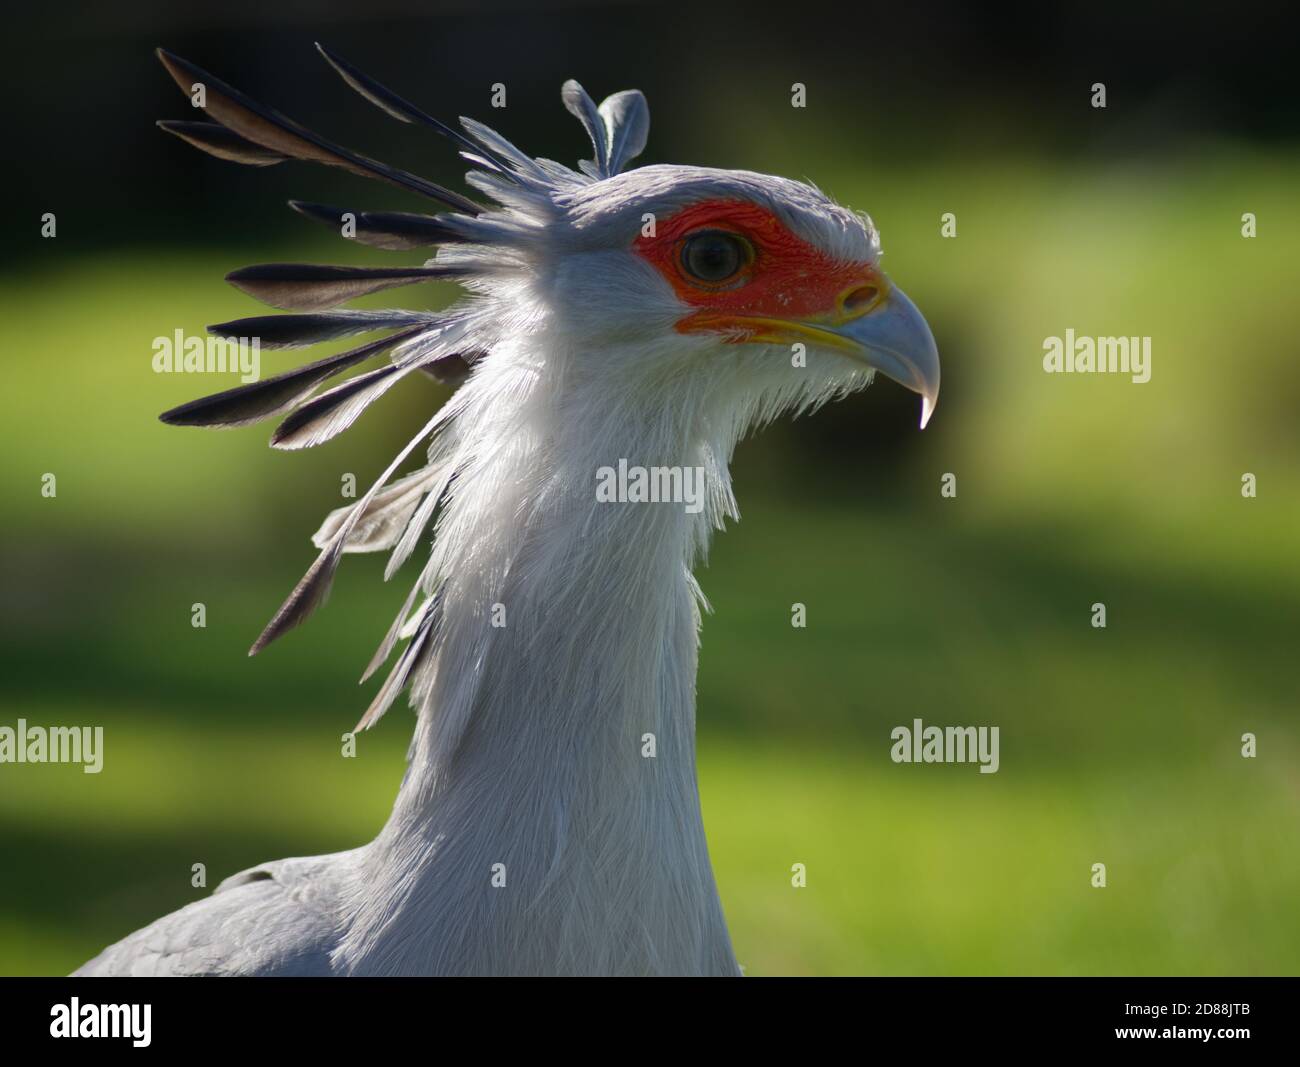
[1119, 746]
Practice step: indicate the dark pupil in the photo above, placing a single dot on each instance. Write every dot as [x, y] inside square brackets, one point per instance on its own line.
[712, 257]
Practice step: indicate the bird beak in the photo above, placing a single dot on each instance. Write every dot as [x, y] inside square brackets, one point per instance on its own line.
[872, 322]
[893, 337]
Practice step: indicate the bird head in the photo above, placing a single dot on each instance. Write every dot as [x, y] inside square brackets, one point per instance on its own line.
[701, 274]
[711, 279]
[616, 295]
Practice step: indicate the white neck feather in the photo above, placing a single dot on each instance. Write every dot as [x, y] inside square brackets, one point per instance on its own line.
[528, 751]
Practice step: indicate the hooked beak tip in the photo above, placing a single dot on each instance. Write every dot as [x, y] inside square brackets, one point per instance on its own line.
[895, 339]
[927, 408]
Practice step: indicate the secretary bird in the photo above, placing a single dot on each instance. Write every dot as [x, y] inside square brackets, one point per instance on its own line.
[646, 317]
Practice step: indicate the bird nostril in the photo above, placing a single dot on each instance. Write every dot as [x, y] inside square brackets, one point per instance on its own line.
[861, 297]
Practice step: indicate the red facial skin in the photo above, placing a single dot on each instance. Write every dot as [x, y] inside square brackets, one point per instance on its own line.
[788, 279]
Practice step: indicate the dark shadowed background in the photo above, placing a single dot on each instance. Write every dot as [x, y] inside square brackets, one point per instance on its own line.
[1119, 746]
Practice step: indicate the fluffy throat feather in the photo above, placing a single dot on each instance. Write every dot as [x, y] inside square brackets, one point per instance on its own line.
[565, 643]
[539, 574]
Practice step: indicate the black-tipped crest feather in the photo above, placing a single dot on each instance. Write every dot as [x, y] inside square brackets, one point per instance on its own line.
[396, 231]
[326, 416]
[310, 593]
[403, 110]
[246, 404]
[315, 287]
[214, 139]
[302, 331]
[272, 130]
[313, 588]
[401, 672]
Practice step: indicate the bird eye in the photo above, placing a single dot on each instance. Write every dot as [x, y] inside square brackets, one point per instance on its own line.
[715, 256]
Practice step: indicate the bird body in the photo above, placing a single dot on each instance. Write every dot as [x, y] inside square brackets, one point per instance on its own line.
[549, 821]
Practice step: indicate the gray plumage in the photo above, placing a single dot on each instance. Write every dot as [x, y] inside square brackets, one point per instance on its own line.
[532, 834]
[627, 122]
[278, 919]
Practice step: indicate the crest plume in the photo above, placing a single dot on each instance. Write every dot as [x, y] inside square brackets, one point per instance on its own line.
[247, 132]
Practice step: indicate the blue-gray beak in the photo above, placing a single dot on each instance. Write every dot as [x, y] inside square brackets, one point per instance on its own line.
[894, 338]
